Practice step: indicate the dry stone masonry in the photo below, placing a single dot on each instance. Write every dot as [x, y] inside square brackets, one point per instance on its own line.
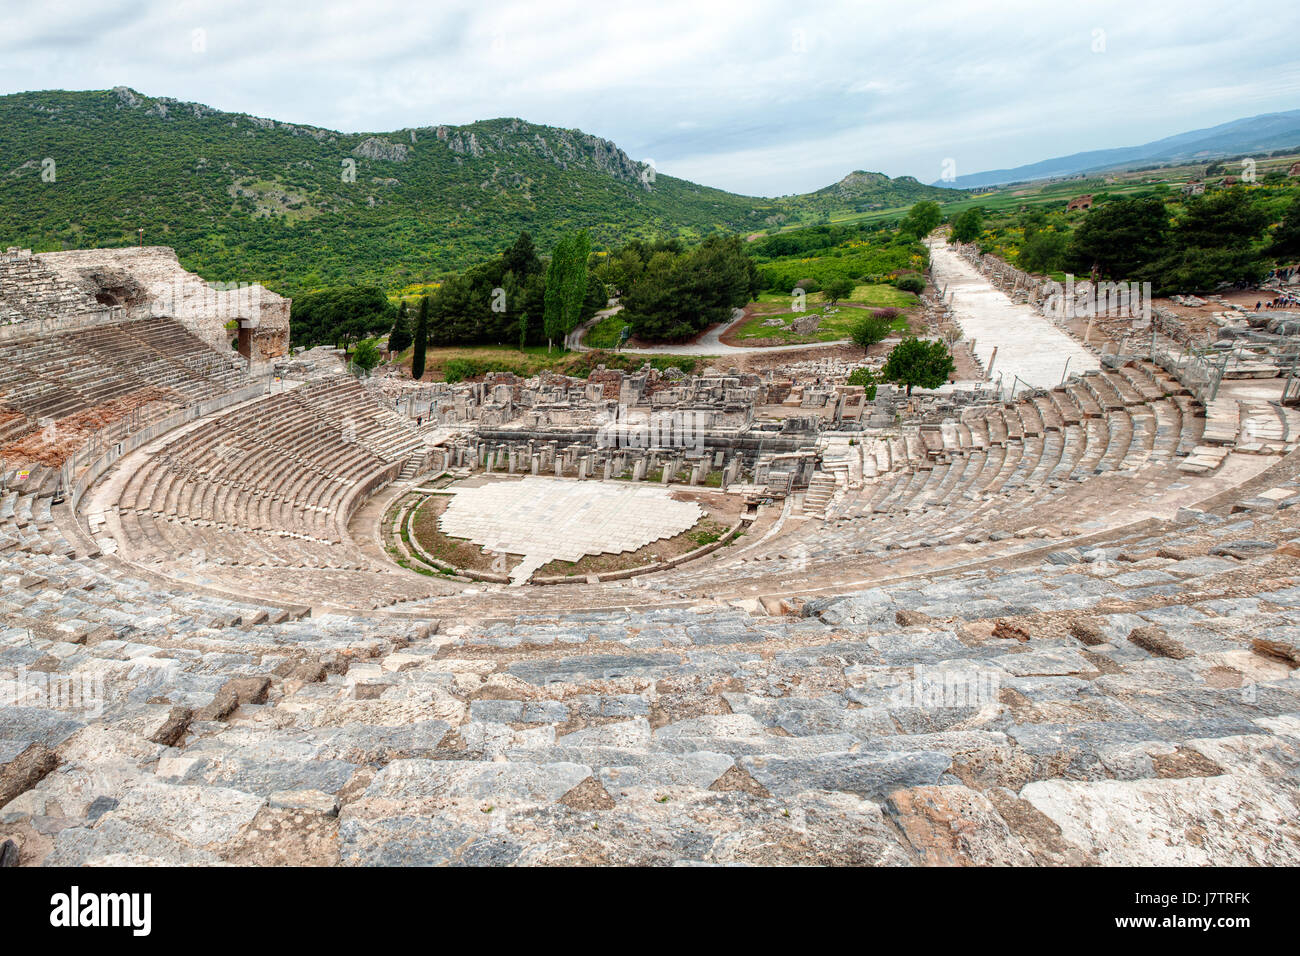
[1057, 629]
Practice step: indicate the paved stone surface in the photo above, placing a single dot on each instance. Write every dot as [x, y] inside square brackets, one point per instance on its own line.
[545, 519]
[1013, 645]
[1028, 345]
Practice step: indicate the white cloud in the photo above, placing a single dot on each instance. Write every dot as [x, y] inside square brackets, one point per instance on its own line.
[760, 97]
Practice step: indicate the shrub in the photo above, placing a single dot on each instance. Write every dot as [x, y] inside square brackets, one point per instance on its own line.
[869, 330]
[459, 369]
[917, 362]
[366, 355]
[867, 379]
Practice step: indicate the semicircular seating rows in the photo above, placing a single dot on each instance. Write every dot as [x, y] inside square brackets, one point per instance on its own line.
[73, 384]
[1125, 694]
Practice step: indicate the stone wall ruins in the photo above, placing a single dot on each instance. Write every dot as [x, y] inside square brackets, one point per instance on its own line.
[642, 425]
[150, 281]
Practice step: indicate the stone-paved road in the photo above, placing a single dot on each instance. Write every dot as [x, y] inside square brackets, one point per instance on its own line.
[1028, 344]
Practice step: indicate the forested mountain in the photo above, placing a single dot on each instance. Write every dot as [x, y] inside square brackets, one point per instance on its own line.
[248, 199]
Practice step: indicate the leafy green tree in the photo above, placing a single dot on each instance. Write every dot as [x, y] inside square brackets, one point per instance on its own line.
[620, 269]
[399, 337]
[566, 284]
[1286, 237]
[421, 343]
[968, 225]
[922, 218]
[574, 289]
[918, 363]
[1216, 240]
[1044, 251]
[521, 258]
[910, 283]
[869, 330]
[679, 294]
[366, 355]
[866, 378]
[1119, 238]
[340, 315]
[1225, 217]
[838, 289]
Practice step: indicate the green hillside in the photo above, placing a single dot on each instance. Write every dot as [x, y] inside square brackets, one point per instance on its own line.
[249, 199]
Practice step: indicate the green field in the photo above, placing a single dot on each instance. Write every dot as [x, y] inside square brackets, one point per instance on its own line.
[1050, 193]
[473, 361]
[605, 333]
[873, 295]
[835, 323]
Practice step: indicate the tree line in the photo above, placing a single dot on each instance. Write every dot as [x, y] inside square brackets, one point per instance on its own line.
[1230, 235]
[670, 293]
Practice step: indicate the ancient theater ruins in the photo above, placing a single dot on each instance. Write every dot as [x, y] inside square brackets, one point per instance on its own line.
[744, 615]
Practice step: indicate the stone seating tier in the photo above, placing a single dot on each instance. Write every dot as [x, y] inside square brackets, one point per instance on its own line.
[1114, 708]
[1002, 692]
[266, 484]
[75, 382]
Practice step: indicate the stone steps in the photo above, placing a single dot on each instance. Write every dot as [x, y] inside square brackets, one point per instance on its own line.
[655, 714]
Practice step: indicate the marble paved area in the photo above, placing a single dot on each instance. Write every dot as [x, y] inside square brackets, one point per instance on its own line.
[1028, 344]
[550, 518]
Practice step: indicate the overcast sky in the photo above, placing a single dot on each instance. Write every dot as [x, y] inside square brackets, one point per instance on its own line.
[759, 97]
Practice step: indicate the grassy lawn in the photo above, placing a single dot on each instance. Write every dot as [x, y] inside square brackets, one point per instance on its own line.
[501, 358]
[604, 334]
[834, 326]
[478, 360]
[876, 296]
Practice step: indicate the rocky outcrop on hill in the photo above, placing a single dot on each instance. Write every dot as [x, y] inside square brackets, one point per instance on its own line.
[382, 149]
[564, 148]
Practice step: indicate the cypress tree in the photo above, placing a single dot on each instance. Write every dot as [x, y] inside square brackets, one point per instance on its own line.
[399, 339]
[421, 340]
[553, 298]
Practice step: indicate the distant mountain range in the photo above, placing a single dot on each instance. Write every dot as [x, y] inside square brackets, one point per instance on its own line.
[299, 207]
[1255, 134]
